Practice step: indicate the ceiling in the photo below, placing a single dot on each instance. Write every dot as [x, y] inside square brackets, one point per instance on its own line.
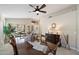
[22, 10]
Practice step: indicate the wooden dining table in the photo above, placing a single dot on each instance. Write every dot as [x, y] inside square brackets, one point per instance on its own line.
[26, 49]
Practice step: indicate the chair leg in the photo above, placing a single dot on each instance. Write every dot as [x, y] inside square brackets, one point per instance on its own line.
[13, 43]
[54, 52]
[15, 51]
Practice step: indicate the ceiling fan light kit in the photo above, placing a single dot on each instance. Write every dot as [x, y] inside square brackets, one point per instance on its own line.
[38, 9]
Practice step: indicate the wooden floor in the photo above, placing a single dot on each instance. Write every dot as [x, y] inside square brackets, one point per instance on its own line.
[22, 50]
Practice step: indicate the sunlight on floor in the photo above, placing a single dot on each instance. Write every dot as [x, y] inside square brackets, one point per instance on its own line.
[65, 51]
[20, 40]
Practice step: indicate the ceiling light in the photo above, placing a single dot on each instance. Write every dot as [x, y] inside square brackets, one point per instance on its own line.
[37, 11]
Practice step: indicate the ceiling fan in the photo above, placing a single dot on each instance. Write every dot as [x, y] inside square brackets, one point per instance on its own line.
[38, 9]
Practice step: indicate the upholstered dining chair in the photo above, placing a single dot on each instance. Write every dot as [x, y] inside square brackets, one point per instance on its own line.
[52, 47]
[13, 43]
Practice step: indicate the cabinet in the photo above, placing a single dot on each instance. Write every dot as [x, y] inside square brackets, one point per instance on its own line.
[53, 38]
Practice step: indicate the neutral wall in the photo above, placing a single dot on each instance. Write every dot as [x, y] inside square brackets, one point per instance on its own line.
[78, 27]
[18, 20]
[2, 22]
[66, 23]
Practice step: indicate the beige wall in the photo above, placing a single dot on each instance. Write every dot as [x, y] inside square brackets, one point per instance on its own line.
[2, 21]
[66, 23]
[18, 20]
[78, 27]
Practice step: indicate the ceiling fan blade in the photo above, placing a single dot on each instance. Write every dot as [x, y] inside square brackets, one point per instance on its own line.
[42, 6]
[31, 11]
[31, 6]
[43, 11]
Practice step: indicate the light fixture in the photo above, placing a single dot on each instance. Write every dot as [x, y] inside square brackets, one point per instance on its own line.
[37, 12]
[53, 25]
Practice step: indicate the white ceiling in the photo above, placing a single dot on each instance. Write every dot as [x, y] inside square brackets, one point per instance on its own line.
[22, 10]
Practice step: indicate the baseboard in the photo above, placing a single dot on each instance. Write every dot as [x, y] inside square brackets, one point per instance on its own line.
[74, 49]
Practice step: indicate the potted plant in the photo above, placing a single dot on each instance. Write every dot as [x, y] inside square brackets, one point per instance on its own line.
[8, 30]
